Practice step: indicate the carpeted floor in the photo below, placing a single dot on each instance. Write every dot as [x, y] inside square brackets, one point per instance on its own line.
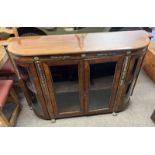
[137, 114]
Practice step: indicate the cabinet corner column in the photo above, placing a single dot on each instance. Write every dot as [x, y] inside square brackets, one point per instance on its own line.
[44, 86]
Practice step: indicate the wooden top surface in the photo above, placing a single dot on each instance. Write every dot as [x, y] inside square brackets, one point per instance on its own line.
[6, 30]
[3, 56]
[78, 43]
[152, 47]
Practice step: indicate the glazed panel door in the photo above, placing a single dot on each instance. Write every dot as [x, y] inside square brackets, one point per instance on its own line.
[65, 79]
[31, 88]
[101, 80]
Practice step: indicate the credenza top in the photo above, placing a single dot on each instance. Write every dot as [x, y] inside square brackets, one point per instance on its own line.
[78, 43]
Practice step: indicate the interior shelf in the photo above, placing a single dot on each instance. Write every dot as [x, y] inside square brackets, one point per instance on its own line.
[101, 83]
[66, 86]
[73, 86]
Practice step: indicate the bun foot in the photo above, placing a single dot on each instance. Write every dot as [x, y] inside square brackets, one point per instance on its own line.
[53, 120]
[114, 114]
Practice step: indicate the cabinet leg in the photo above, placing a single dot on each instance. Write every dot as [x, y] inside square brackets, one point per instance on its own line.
[53, 120]
[114, 114]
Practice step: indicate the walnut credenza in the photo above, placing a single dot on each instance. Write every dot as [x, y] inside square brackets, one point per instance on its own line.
[78, 74]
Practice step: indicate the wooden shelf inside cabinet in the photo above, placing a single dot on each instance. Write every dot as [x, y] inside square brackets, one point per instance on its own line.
[101, 83]
[63, 87]
[72, 86]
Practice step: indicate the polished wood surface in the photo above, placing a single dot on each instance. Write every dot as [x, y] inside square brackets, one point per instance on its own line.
[78, 43]
[6, 30]
[152, 47]
[149, 61]
[3, 56]
[12, 30]
[36, 56]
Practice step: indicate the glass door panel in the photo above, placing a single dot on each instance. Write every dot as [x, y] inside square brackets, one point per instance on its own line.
[100, 85]
[66, 87]
[27, 79]
[136, 65]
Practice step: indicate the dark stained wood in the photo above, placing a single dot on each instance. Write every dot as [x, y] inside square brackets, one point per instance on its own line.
[38, 54]
[51, 90]
[129, 77]
[140, 63]
[119, 61]
[49, 78]
[81, 85]
[121, 89]
[116, 83]
[31, 68]
[86, 87]
[39, 92]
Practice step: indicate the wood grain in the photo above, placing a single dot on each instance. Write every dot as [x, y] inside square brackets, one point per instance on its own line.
[82, 50]
[12, 30]
[149, 62]
[78, 43]
[3, 56]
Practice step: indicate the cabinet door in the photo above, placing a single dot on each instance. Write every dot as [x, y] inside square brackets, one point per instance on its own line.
[31, 88]
[134, 69]
[124, 91]
[65, 86]
[102, 78]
